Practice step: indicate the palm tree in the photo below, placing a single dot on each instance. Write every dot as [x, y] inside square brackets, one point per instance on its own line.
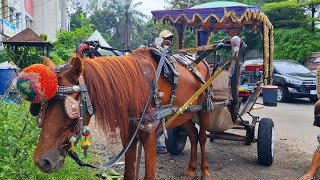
[130, 21]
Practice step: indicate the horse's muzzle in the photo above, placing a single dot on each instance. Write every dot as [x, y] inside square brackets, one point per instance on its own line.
[51, 162]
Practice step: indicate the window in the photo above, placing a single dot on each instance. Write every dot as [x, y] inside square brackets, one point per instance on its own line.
[18, 20]
[11, 16]
[28, 22]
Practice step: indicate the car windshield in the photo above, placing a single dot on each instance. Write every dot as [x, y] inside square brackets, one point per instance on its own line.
[291, 68]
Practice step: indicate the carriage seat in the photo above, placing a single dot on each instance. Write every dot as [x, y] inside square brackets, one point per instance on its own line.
[222, 86]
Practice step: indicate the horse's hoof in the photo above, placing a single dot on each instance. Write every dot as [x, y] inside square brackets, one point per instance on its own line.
[188, 178]
[205, 178]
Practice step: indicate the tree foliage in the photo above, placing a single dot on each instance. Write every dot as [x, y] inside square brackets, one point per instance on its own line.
[130, 21]
[65, 45]
[286, 14]
[79, 19]
[295, 44]
[105, 21]
[311, 8]
[175, 4]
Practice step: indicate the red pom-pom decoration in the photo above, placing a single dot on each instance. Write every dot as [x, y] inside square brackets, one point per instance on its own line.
[37, 83]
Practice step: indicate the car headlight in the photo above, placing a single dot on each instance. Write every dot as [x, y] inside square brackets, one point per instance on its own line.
[293, 81]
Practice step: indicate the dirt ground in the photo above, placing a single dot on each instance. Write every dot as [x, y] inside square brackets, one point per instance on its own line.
[233, 160]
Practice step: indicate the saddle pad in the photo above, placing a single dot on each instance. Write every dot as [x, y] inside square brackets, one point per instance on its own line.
[166, 70]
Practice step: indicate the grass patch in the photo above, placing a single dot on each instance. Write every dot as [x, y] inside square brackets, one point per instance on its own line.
[19, 136]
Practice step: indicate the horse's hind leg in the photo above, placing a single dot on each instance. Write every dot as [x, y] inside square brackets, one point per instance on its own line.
[193, 136]
[203, 122]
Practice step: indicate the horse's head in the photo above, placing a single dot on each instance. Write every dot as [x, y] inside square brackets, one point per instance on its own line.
[55, 120]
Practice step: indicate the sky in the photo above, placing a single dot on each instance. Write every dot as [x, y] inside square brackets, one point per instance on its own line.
[150, 5]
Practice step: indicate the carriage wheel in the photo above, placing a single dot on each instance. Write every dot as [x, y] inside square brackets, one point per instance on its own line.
[176, 141]
[266, 141]
[211, 138]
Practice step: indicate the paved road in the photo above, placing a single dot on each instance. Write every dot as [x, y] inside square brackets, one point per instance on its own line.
[295, 143]
[293, 123]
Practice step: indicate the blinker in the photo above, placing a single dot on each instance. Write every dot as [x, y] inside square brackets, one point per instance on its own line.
[35, 109]
[72, 107]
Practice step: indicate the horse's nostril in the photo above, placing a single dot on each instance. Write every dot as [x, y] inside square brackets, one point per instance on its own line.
[45, 164]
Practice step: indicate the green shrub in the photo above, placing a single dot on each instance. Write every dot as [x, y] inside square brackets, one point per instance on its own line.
[295, 44]
[56, 59]
[19, 136]
[23, 57]
[44, 37]
[67, 41]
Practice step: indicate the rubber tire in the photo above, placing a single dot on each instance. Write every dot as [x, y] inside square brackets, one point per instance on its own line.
[285, 94]
[266, 142]
[176, 141]
[313, 98]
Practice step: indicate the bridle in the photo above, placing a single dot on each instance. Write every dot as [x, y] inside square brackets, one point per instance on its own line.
[75, 109]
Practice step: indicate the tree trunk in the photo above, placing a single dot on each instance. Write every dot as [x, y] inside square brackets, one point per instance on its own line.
[313, 12]
[127, 30]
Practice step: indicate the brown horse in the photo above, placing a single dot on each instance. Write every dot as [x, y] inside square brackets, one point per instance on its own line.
[118, 88]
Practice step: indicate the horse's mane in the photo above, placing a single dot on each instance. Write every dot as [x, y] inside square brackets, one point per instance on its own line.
[118, 89]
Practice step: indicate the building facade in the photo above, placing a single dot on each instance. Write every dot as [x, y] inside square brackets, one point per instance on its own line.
[42, 16]
[50, 16]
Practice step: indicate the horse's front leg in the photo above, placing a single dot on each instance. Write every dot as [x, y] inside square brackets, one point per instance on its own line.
[149, 142]
[192, 132]
[130, 162]
[204, 122]
[130, 155]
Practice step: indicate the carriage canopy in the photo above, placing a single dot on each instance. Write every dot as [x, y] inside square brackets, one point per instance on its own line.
[229, 17]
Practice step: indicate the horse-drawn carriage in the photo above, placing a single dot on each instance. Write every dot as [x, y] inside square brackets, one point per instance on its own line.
[231, 18]
[152, 88]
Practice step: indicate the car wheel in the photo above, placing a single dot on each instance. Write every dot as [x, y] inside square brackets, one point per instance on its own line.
[282, 94]
[313, 98]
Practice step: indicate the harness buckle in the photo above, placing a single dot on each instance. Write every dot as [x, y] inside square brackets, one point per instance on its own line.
[157, 98]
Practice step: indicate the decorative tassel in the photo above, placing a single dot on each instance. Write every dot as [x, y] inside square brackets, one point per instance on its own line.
[86, 131]
[72, 138]
[86, 144]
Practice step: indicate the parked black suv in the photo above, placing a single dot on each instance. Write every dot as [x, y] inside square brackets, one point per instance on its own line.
[293, 80]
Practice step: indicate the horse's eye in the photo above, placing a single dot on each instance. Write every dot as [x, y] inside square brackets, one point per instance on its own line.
[35, 109]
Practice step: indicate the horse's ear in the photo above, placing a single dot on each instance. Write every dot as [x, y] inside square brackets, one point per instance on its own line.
[48, 62]
[76, 69]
